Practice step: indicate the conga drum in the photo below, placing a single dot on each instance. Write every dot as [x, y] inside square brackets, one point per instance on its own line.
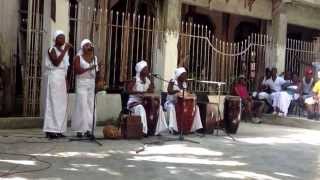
[151, 103]
[232, 114]
[208, 113]
[185, 112]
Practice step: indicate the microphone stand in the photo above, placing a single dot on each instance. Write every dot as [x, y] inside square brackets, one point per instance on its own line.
[181, 136]
[218, 127]
[92, 138]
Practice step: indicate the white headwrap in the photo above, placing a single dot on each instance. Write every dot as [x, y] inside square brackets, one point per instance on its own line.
[139, 66]
[83, 42]
[57, 33]
[178, 72]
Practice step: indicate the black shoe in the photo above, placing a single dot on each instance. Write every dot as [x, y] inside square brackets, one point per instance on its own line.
[51, 135]
[79, 135]
[60, 135]
[88, 134]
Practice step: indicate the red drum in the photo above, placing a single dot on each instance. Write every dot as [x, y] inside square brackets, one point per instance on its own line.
[151, 104]
[185, 112]
[232, 114]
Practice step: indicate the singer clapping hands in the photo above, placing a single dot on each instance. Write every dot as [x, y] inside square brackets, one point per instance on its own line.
[85, 66]
[55, 90]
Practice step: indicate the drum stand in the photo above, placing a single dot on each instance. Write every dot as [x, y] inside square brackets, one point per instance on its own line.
[181, 136]
[219, 128]
[92, 138]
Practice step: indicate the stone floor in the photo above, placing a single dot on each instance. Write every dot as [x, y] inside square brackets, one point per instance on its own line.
[260, 152]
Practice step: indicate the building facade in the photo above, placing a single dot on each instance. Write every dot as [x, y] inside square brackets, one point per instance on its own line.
[215, 39]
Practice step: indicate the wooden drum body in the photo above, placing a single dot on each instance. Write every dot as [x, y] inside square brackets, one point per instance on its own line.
[232, 114]
[185, 113]
[151, 103]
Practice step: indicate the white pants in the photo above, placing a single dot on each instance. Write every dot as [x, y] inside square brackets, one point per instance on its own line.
[282, 100]
[161, 123]
[82, 116]
[172, 117]
[55, 104]
[263, 96]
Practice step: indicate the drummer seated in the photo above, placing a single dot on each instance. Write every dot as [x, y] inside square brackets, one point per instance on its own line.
[252, 108]
[140, 85]
[175, 89]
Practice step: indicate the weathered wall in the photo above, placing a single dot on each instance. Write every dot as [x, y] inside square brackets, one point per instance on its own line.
[261, 9]
[299, 12]
[301, 15]
[62, 18]
[217, 20]
[9, 19]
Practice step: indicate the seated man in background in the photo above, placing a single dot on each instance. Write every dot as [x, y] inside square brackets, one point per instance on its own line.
[253, 109]
[307, 84]
[275, 84]
[312, 103]
[263, 91]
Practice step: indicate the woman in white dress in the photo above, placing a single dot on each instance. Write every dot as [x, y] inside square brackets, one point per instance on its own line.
[85, 66]
[176, 85]
[142, 84]
[55, 90]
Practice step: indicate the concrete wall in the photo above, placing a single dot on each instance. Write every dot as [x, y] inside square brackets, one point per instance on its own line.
[62, 18]
[108, 106]
[301, 15]
[300, 12]
[261, 9]
[217, 21]
[9, 20]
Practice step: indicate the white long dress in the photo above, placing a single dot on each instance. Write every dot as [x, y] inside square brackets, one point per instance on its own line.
[171, 111]
[140, 111]
[55, 94]
[82, 115]
[283, 99]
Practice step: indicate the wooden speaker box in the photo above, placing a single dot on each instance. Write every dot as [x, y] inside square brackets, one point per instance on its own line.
[131, 127]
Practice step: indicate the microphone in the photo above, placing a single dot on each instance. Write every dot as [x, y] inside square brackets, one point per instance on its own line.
[153, 74]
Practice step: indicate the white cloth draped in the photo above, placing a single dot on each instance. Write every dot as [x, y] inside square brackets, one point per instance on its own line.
[82, 116]
[55, 94]
[171, 112]
[283, 99]
[139, 109]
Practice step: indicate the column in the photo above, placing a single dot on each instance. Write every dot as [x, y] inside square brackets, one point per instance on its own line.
[279, 34]
[167, 55]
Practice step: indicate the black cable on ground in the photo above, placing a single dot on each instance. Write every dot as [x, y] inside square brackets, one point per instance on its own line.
[9, 173]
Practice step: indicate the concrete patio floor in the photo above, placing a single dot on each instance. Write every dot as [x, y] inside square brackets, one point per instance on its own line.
[260, 152]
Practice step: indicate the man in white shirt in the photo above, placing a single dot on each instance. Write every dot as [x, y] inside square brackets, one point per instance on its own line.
[275, 83]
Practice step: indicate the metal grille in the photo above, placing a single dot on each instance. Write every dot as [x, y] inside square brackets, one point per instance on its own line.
[33, 56]
[299, 54]
[208, 58]
[120, 40]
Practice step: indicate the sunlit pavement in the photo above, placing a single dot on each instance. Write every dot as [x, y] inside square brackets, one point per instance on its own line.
[259, 152]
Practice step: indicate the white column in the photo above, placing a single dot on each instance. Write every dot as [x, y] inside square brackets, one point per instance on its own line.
[279, 33]
[167, 55]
